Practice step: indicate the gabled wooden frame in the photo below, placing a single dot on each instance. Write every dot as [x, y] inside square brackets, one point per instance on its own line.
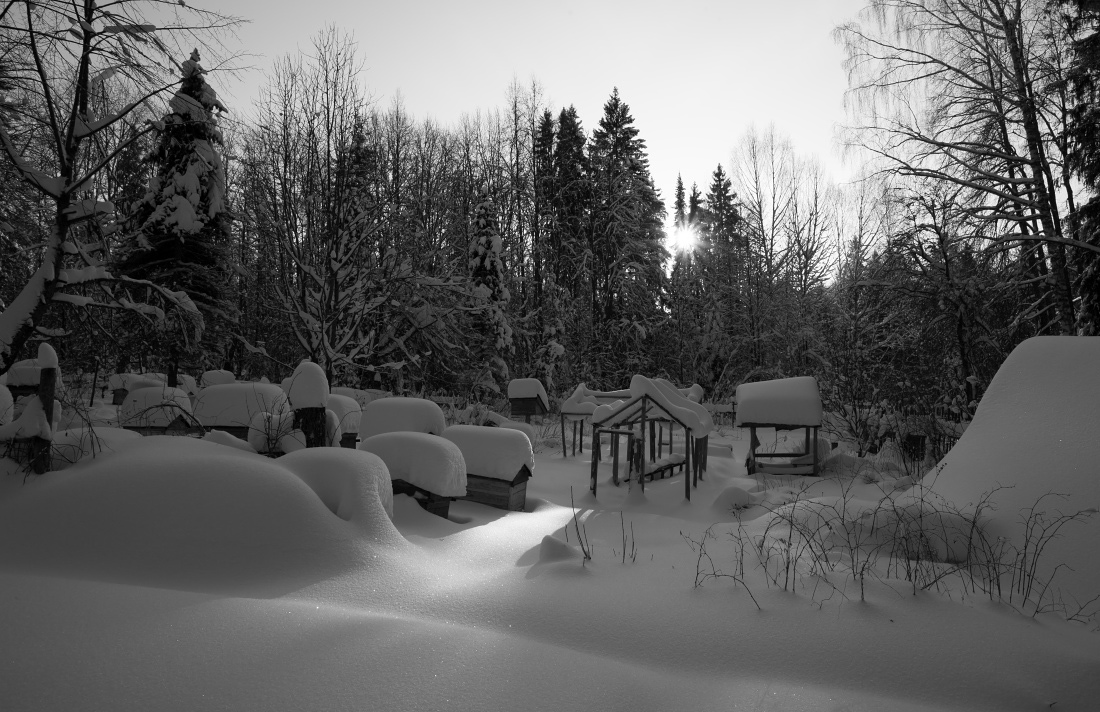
[641, 410]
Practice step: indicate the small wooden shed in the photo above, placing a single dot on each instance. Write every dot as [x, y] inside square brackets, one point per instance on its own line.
[499, 461]
[781, 404]
[528, 398]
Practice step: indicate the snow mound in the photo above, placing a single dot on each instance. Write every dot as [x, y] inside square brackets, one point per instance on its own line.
[528, 388]
[501, 422]
[223, 438]
[216, 378]
[28, 371]
[154, 407]
[234, 404]
[362, 396]
[690, 413]
[1035, 436]
[182, 513]
[425, 461]
[347, 410]
[353, 484]
[784, 401]
[75, 444]
[307, 387]
[7, 405]
[31, 422]
[552, 550]
[132, 381]
[392, 415]
[498, 453]
[265, 430]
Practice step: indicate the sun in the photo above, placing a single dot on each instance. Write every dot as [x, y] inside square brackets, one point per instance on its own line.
[683, 239]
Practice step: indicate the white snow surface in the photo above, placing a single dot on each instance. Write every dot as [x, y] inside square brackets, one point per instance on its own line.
[784, 401]
[688, 412]
[265, 430]
[7, 405]
[347, 411]
[528, 388]
[307, 387]
[391, 415]
[183, 575]
[31, 422]
[133, 381]
[28, 371]
[501, 422]
[156, 407]
[493, 452]
[75, 444]
[362, 396]
[216, 378]
[234, 404]
[47, 356]
[1036, 434]
[426, 461]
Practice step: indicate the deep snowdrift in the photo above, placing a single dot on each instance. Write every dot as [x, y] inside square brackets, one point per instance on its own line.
[1036, 435]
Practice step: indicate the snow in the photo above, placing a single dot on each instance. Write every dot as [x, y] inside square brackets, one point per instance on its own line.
[1035, 436]
[47, 357]
[501, 422]
[223, 438]
[216, 378]
[347, 412]
[528, 388]
[390, 415]
[360, 395]
[785, 401]
[133, 381]
[184, 513]
[27, 372]
[155, 406]
[180, 574]
[75, 444]
[688, 412]
[266, 430]
[308, 386]
[31, 423]
[497, 453]
[7, 405]
[234, 404]
[583, 400]
[425, 461]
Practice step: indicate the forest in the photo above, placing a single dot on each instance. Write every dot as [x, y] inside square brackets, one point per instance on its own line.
[147, 222]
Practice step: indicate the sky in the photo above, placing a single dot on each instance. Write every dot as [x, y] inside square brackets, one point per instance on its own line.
[697, 74]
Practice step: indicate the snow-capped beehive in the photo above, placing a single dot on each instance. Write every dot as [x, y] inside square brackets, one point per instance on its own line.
[499, 461]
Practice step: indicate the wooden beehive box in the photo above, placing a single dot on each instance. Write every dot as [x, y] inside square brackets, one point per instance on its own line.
[502, 494]
[433, 503]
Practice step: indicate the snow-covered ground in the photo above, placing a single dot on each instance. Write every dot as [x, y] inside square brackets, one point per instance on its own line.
[181, 574]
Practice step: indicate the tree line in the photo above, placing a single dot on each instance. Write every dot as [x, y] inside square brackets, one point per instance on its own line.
[142, 226]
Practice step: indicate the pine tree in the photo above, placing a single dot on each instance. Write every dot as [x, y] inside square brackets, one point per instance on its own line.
[487, 279]
[181, 227]
[679, 206]
[1084, 155]
[626, 243]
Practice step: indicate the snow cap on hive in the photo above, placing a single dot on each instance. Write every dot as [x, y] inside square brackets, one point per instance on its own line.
[308, 386]
[528, 388]
[391, 415]
[784, 401]
[425, 461]
[498, 453]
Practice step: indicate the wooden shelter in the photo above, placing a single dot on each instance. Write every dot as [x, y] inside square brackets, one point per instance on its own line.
[781, 404]
[637, 420]
[502, 494]
[527, 397]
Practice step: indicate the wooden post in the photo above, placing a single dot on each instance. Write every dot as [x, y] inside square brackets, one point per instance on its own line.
[563, 453]
[595, 461]
[311, 421]
[41, 447]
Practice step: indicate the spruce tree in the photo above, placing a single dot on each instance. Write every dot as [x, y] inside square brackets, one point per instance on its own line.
[487, 279]
[679, 206]
[181, 228]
